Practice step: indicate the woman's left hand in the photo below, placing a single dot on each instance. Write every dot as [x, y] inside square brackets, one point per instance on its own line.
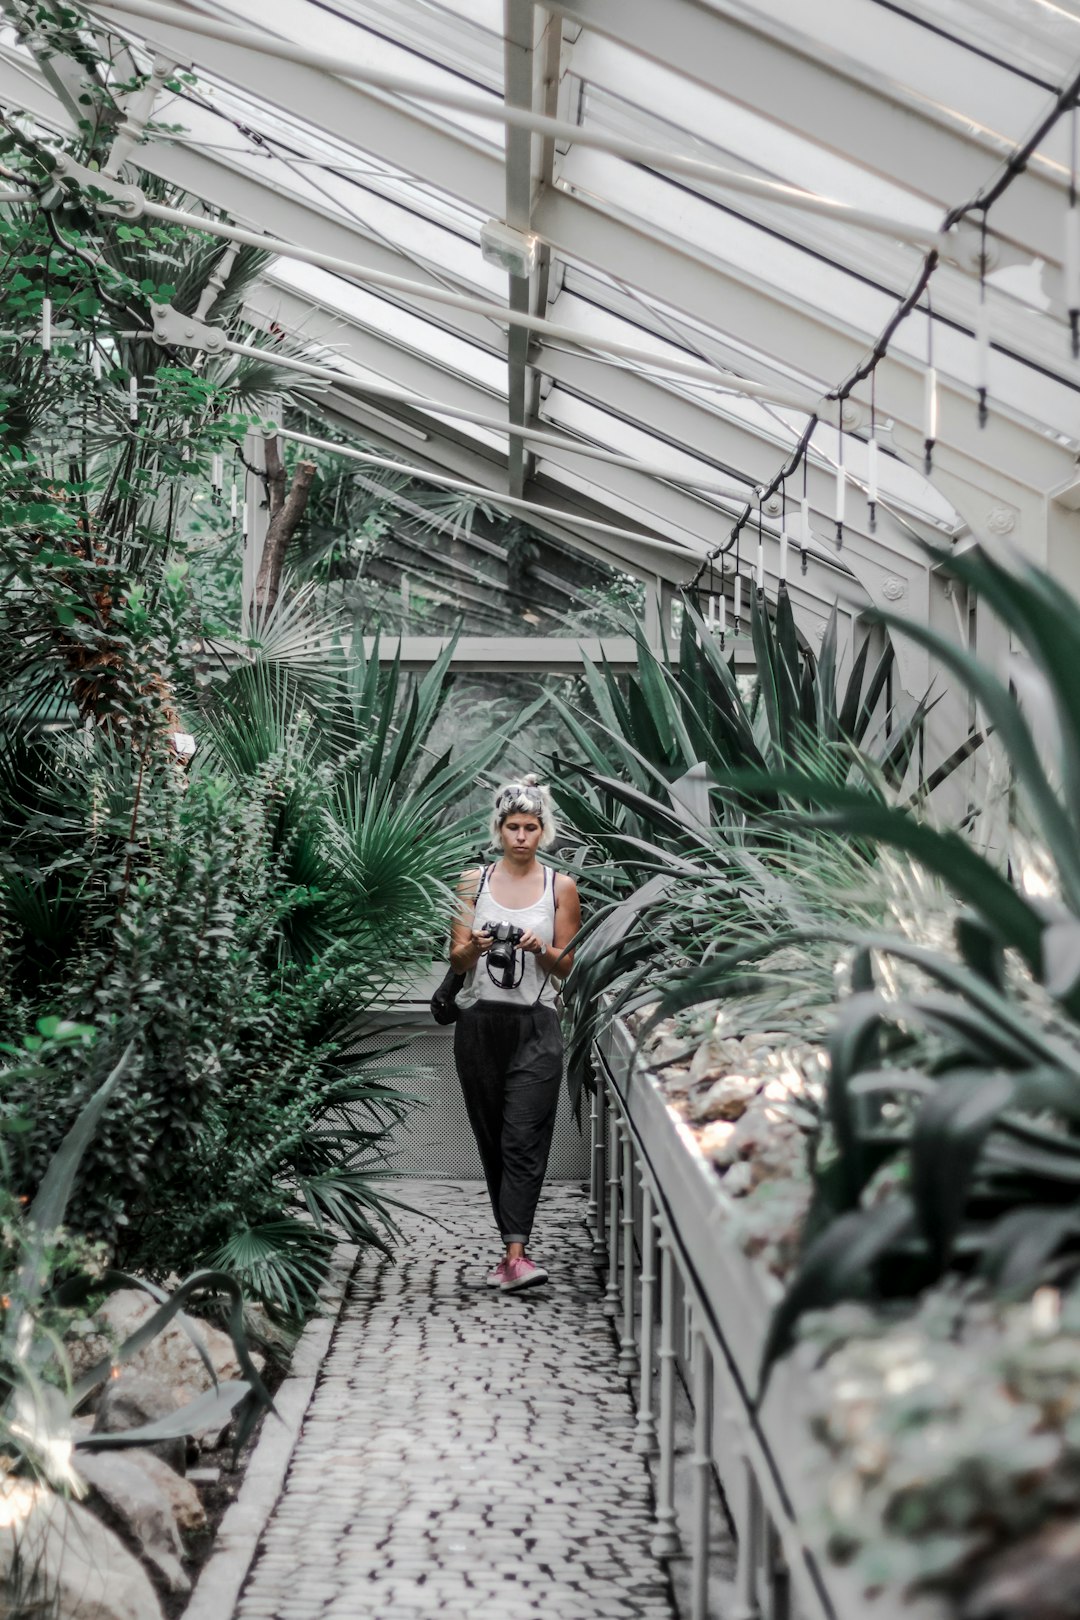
[529, 942]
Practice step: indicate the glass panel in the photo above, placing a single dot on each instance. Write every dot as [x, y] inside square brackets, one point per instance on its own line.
[396, 555]
[304, 22]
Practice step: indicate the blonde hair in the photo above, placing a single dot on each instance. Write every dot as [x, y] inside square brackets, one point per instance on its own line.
[526, 797]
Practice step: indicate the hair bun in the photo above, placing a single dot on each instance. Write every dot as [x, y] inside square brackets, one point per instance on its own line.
[530, 781]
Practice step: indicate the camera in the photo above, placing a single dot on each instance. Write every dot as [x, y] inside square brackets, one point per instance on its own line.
[502, 957]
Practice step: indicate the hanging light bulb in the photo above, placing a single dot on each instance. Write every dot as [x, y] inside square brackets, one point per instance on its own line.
[872, 479]
[1072, 246]
[46, 325]
[805, 533]
[722, 605]
[982, 356]
[760, 563]
[95, 362]
[737, 605]
[133, 398]
[929, 393]
[841, 496]
[244, 518]
[982, 331]
[784, 541]
[1072, 272]
[930, 414]
[232, 501]
[217, 476]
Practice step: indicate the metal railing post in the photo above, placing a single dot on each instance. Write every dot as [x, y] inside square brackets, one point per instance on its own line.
[628, 1346]
[750, 1534]
[600, 1103]
[645, 1433]
[665, 1541]
[611, 1292]
[779, 1579]
[590, 1207]
[702, 1465]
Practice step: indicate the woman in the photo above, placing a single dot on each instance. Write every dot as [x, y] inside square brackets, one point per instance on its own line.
[508, 1044]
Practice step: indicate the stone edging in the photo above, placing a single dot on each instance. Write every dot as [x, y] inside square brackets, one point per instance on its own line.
[223, 1575]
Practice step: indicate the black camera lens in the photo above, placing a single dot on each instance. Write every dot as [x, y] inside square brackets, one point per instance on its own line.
[502, 957]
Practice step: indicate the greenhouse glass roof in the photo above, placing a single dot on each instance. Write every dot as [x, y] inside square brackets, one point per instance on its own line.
[675, 319]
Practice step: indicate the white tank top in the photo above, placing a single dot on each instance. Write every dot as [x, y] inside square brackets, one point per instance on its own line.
[535, 983]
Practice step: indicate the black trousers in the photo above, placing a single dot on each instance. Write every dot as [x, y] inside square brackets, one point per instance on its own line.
[509, 1062]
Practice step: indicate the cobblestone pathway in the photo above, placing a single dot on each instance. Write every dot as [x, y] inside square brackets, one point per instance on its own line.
[466, 1452]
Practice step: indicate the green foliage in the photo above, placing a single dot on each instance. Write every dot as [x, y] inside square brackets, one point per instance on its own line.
[228, 925]
[962, 1065]
[692, 889]
[45, 1272]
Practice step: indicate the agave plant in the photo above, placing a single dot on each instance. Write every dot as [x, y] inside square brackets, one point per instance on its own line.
[961, 1066]
[705, 871]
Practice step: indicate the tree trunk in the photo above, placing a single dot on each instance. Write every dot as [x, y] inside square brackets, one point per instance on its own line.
[285, 514]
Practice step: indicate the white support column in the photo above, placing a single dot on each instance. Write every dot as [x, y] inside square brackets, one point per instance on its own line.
[702, 1465]
[665, 1542]
[628, 1348]
[645, 1433]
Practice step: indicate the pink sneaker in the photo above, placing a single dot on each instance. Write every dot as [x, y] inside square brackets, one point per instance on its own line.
[497, 1277]
[523, 1273]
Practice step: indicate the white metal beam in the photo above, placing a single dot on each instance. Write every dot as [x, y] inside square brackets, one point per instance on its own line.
[898, 133]
[160, 17]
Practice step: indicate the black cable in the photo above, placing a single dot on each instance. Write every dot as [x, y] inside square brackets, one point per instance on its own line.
[1018, 162]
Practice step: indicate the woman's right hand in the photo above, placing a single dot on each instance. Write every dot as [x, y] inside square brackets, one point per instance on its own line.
[482, 940]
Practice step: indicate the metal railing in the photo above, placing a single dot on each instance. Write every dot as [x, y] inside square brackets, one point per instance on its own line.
[683, 1297]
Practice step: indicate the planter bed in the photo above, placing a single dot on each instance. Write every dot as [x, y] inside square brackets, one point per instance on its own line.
[735, 1295]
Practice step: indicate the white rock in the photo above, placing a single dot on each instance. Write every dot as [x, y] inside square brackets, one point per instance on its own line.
[132, 1400]
[143, 1508]
[170, 1357]
[727, 1098]
[716, 1057]
[739, 1179]
[182, 1496]
[84, 1568]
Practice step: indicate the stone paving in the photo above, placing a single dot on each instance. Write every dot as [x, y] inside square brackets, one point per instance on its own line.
[466, 1452]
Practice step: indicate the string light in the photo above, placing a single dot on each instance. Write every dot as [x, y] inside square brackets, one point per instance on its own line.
[760, 552]
[217, 475]
[737, 604]
[805, 533]
[133, 398]
[46, 325]
[841, 487]
[95, 362]
[981, 202]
